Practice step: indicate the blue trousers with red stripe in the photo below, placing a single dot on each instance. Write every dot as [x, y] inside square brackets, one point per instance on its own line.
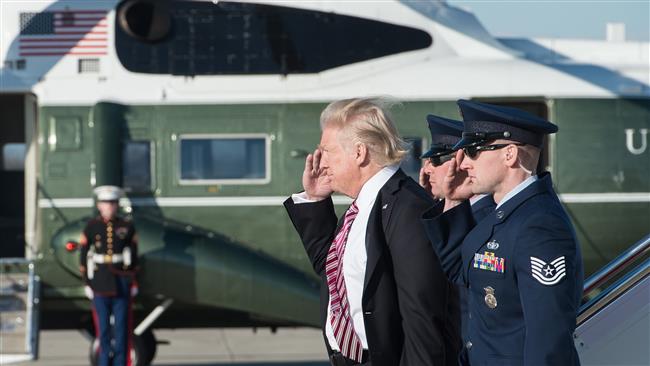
[120, 307]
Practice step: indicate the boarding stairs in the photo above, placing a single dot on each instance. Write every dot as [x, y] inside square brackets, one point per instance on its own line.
[19, 300]
[613, 325]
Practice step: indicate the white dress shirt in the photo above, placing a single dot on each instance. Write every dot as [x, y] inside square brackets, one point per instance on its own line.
[520, 187]
[355, 256]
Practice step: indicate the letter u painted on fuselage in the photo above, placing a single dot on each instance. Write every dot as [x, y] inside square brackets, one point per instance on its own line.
[629, 141]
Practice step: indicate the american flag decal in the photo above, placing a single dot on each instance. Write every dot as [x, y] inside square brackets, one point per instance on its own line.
[66, 32]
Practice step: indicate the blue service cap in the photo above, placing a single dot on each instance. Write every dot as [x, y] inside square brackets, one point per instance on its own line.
[445, 133]
[486, 122]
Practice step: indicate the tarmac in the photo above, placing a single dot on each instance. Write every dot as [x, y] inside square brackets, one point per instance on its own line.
[200, 347]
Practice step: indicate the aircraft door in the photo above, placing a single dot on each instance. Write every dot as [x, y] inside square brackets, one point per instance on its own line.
[123, 151]
[12, 174]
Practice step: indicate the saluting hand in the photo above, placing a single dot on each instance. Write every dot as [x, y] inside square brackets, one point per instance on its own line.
[456, 185]
[424, 180]
[314, 178]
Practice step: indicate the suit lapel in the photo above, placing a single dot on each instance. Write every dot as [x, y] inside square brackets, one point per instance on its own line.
[377, 223]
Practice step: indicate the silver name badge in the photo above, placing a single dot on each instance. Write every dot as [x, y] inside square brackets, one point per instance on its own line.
[493, 245]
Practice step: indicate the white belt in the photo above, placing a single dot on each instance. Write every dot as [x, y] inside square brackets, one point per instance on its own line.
[108, 258]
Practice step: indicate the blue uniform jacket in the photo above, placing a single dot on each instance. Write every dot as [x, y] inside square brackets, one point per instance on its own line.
[523, 268]
[483, 207]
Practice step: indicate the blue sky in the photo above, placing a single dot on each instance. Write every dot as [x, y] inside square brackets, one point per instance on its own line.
[560, 19]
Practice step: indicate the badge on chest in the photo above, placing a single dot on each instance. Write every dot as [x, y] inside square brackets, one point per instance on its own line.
[489, 262]
[492, 245]
[490, 299]
[121, 232]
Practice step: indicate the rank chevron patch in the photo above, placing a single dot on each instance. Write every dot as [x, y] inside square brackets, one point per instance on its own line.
[548, 273]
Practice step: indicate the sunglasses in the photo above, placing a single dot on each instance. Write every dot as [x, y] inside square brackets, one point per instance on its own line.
[473, 151]
[437, 161]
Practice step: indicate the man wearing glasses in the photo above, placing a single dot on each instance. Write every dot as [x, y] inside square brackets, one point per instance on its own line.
[521, 263]
[445, 133]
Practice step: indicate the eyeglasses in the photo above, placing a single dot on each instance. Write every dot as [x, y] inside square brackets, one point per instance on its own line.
[473, 151]
[437, 161]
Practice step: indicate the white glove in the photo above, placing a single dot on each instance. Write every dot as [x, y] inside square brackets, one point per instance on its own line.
[89, 292]
[134, 291]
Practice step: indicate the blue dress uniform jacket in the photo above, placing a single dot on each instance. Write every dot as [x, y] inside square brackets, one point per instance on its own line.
[483, 207]
[410, 309]
[480, 209]
[523, 267]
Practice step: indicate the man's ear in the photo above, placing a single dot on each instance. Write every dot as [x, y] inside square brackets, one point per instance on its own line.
[511, 155]
[360, 153]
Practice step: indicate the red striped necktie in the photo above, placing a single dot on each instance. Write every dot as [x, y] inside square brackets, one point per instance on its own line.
[347, 339]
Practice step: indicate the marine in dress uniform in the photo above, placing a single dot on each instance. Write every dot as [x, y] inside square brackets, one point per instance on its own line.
[109, 259]
[521, 263]
[445, 134]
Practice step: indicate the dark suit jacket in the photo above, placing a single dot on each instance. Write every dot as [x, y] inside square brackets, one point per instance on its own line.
[410, 309]
[534, 314]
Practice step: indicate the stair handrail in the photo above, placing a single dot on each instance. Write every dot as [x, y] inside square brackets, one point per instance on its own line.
[32, 307]
[613, 292]
[614, 267]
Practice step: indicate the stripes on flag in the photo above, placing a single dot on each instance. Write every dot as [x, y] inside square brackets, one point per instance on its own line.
[60, 33]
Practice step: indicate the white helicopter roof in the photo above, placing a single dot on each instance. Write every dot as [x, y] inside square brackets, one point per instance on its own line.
[464, 60]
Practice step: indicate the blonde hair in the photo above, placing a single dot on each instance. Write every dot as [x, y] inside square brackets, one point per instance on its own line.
[367, 121]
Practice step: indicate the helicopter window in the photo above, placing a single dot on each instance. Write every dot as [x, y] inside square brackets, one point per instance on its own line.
[136, 166]
[221, 38]
[412, 163]
[224, 159]
[13, 157]
[64, 133]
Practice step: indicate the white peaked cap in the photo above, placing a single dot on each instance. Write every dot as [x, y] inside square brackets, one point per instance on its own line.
[108, 193]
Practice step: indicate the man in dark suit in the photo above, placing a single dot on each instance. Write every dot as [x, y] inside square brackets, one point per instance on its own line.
[445, 133]
[522, 263]
[384, 298]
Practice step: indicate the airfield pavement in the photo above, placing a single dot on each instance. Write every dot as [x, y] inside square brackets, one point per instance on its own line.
[201, 347]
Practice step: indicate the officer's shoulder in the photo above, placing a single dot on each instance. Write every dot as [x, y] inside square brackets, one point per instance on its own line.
[545, 221]
[543, 206]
